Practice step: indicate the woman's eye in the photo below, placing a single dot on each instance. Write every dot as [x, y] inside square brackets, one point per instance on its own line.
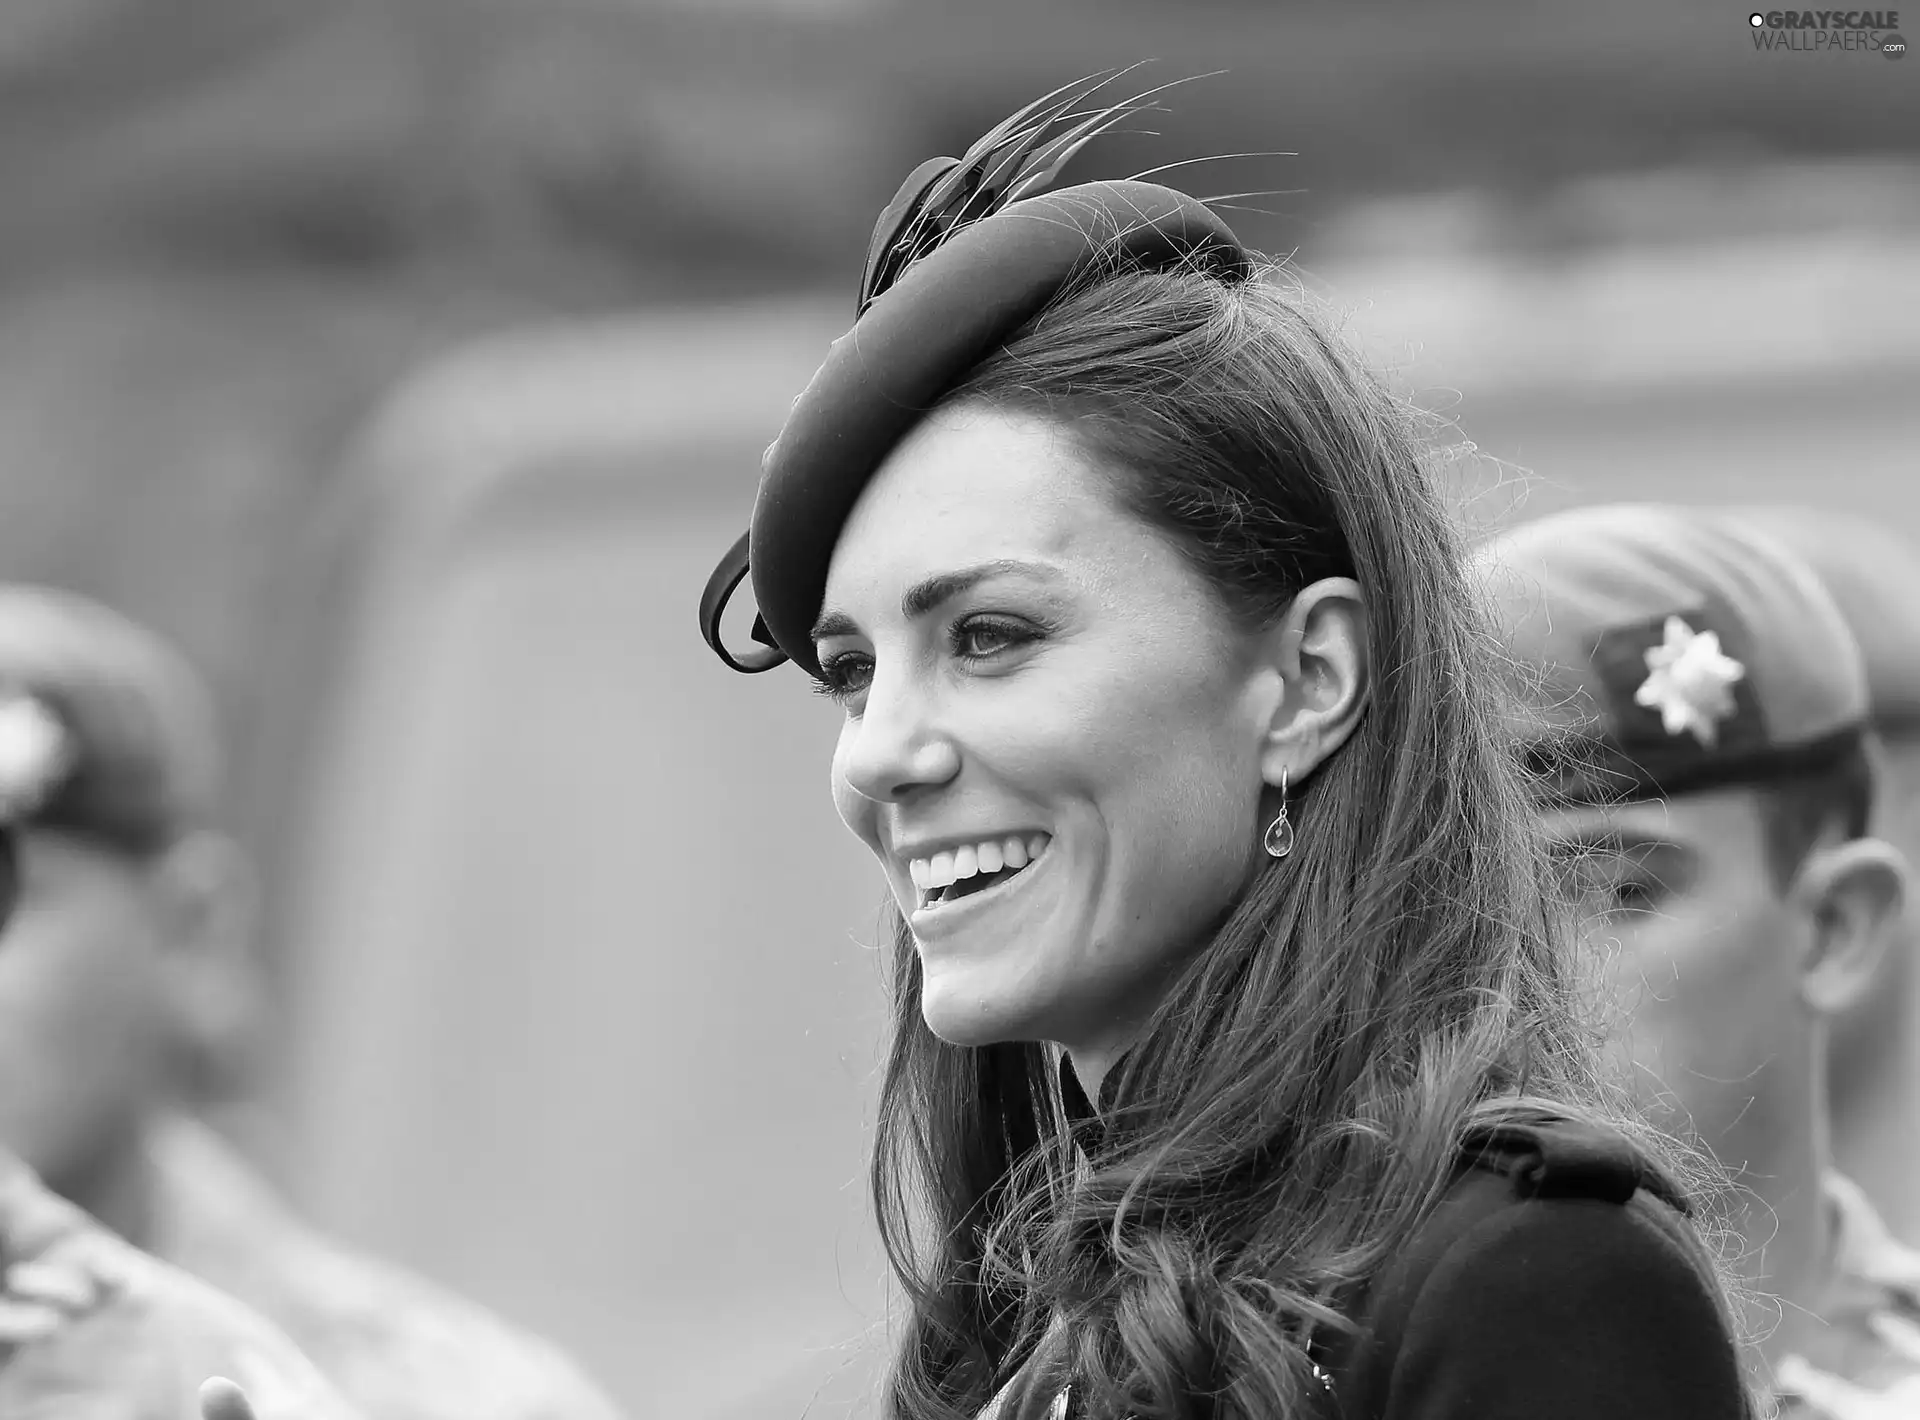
[980, 637]
[844, 676]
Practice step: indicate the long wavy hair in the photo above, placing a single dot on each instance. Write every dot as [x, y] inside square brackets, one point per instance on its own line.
[1297, 1103]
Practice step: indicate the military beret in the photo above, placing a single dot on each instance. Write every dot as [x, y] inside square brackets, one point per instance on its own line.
[104, 728]
[1873, 573]
[1661, 650]
[968, 252]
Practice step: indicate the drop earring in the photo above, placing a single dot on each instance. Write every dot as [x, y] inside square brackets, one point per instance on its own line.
[1279, 839]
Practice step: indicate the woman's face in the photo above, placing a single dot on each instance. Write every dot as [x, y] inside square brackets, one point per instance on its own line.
[1033, 677]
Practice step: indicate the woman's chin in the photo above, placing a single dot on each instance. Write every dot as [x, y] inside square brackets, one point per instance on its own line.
[968, 1012]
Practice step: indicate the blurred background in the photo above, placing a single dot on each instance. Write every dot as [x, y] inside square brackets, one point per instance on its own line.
[409, 361]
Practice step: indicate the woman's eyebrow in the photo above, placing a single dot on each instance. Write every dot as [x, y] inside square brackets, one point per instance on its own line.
[925, 595]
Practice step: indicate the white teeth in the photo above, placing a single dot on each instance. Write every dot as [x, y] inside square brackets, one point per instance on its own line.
[989, 856]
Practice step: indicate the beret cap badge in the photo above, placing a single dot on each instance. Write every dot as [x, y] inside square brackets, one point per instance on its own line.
[1690, 682]
[36, 752]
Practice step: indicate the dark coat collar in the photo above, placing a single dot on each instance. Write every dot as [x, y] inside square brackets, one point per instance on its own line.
[1085, 1118]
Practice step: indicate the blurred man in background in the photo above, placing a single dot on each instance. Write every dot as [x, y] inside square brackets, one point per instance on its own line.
[1701, 731]
[88, 1324]
[127, 977]
[1874, 576]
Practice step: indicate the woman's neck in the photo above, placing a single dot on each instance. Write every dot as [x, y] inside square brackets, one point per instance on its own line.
[1090, 1065]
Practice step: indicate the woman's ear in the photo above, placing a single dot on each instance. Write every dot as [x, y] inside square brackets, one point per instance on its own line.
[1319, 650]
[1854, 894]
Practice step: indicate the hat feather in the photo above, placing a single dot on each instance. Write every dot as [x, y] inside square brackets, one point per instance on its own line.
[1016, 159]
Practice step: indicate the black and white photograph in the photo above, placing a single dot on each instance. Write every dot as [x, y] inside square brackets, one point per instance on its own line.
[959, 710]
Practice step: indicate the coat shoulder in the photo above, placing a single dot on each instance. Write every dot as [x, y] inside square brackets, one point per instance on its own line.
[1557, 1270]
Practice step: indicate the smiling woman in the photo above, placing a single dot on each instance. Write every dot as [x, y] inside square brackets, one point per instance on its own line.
[1236, 1071]
[1068, 691]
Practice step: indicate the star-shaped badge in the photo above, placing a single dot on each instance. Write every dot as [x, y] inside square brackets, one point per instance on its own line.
[1690, 682]
[36, 752]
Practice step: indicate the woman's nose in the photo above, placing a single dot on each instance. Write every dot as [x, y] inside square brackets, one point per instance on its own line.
[895, 748]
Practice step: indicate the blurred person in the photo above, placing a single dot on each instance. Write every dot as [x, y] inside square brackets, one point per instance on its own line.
[1700, 728]
[126, 979]
[90, 1328]
[1873, 573]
